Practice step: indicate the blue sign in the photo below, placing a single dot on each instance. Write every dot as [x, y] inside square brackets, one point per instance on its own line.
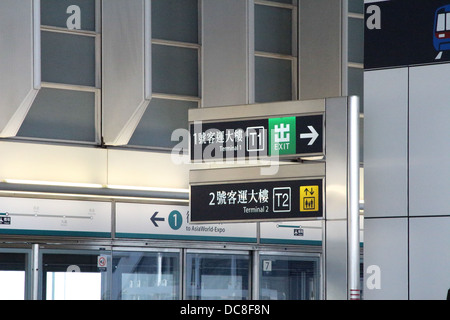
[406, 32]
[441, 39]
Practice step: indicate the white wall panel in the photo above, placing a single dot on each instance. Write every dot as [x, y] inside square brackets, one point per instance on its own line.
[146, 169]
[429, 258]
[42, 162]
[19, 62]
[429, 147]
[386, 246]
[126, 67]
[385, 142]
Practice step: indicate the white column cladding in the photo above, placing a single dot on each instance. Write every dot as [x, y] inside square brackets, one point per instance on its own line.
[20, 62]
[385, 142]
[335, 234]
[126, 69]
[429, 147]
[227, 52]
[386, 183]
[320, 49]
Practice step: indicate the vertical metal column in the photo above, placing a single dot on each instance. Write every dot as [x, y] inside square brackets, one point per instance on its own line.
[335, 234]
[34, 271]
[353, 277]
[255, 275]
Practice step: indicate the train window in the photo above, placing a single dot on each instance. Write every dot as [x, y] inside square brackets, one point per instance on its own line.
[440, 24]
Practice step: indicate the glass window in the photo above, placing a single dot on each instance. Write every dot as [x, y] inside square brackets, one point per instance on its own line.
[175, 70]
[356, 6]
[12, 275]
[356, 40]
[289, 278]
[160, 119]
[67, 106]
[68, 58]
[273, 79]
[355, 82]
[175, 20]
[175, 73]
[211, 276]
[61, 115]
[65, 13]
[275, 61]
[273, 29]
[74, 276]
[146, 276]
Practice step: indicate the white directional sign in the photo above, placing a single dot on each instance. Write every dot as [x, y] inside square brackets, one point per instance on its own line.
[149, 221]
[26, 216]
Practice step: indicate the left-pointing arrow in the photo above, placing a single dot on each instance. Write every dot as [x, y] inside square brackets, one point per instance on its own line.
[153, 219]
[313, 135]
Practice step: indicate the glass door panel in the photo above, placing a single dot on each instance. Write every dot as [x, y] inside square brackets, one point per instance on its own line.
[289, 277]
[75, 275]
[146, 276]
[13, 274]
[217, 276]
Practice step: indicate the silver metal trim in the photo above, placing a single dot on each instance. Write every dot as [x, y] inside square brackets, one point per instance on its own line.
[86, 33]
[355, 65]
[36, 44]
[252, 173]
[353, 276]
[168, 96]
[35, 272]
[147, 50]
[271, 55]
[259, 110]
[174, 43]
[275, 4]
[73, 87]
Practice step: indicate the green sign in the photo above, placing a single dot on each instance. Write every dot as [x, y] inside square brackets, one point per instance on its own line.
[282, 137]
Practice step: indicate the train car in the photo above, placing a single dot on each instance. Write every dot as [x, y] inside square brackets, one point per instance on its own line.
[441, 36]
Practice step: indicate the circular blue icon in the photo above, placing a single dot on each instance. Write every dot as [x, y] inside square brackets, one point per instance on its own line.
[175, 220]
